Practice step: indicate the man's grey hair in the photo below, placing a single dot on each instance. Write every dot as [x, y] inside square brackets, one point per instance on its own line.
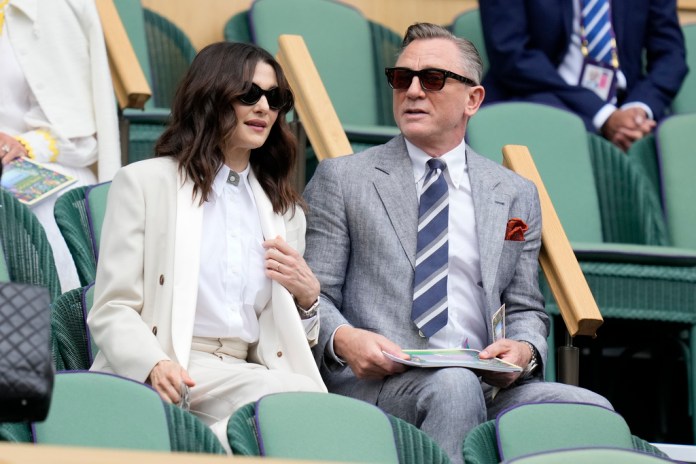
[471, 60]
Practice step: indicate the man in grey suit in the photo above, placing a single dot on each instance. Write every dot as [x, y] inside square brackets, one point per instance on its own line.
[367, 241]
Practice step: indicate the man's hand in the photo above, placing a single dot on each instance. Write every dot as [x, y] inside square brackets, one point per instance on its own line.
[624, 127]
[362, 350]
[511, 351]
[166, 378]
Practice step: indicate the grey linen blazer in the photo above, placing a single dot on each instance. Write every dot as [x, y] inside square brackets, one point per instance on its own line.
[361, 244]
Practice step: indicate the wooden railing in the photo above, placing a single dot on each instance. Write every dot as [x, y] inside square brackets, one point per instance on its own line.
[130, 84]
[566, 280]
[312, 103]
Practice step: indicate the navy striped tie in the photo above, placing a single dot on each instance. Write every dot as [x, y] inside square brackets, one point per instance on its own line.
[429, 310]
[596, 22]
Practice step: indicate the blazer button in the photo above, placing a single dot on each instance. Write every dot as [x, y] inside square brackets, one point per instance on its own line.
[279, 354]
[161, 279]
[154, 330]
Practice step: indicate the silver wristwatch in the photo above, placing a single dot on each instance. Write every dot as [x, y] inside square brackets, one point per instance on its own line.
[532, 365]
[309, 312]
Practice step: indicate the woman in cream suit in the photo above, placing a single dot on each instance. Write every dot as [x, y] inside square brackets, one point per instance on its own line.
[201, 287]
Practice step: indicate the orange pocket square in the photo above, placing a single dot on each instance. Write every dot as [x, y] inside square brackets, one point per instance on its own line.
[515, 230]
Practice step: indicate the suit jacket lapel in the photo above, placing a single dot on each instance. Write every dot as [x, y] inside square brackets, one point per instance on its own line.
[189, 220]
[393, 172]
[491, 206]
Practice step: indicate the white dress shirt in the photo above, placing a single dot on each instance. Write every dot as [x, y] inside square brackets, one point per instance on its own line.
[466, 323]
[232, 285]
[571, 68]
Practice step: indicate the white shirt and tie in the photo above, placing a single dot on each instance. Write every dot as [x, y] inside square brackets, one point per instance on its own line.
[466, 323]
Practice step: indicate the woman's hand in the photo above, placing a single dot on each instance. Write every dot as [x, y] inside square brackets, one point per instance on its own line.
[10, 148]
[167, 378]
[287, 267]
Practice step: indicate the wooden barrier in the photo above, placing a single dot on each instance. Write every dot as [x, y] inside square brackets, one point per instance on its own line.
[312, 103]
[130, 85]
[566, 280]
[21, 453]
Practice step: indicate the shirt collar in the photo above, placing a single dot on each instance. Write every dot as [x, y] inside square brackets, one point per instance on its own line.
[220, 181]
[455, 159]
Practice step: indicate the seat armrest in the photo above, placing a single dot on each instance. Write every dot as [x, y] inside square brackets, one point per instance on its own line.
[635, 254]
[149, 115]
[370, 134]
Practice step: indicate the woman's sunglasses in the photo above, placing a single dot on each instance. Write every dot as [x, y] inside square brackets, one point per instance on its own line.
[276, 98]
[429, 78]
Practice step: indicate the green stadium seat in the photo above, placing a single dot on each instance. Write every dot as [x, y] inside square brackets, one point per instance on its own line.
[468, 26]
[334, 428]
[538, 427]
[685, 101]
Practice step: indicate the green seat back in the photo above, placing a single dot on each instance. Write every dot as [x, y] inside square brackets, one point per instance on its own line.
[4, 271]
[87, 303]
[69, 329]
[105, 411]
[27, 251]
[324, 426]
[676, 141]
[237, 28]
[95, 202]
[536, 427]
[72, 219]
[558, 143]
[170, 52]
[685, 101]
[338, 38]
[590, 455]
[468, 26]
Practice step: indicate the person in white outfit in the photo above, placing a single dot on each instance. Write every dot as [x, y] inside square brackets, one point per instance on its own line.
[201, 289]
[57, 103]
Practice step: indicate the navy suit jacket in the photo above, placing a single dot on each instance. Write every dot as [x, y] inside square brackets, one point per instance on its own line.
[526, 40]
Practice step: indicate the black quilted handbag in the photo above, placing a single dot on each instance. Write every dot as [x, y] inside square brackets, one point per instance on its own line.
[26, 362]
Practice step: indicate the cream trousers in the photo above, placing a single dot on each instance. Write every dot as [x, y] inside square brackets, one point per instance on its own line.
[225, 381]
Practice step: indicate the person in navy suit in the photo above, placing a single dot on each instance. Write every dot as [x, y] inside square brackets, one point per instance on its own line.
[537, 53]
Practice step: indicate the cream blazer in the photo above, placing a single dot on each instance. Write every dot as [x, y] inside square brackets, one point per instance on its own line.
[147, 277]
[60, 46]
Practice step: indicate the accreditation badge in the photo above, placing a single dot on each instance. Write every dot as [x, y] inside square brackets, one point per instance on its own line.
[600, 78]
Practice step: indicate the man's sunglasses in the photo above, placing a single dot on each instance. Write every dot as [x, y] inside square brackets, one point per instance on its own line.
[429, 78]
[276, 98]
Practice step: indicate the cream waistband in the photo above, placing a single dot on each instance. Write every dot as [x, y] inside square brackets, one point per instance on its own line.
[230, 346]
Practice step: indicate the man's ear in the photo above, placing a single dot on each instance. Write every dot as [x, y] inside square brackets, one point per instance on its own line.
[476, 96]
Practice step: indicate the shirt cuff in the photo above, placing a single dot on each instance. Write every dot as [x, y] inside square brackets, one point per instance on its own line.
[602, 115]
[330, 347]
[641, 105]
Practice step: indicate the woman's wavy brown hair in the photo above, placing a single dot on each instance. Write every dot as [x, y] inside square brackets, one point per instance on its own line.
[203, 118]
